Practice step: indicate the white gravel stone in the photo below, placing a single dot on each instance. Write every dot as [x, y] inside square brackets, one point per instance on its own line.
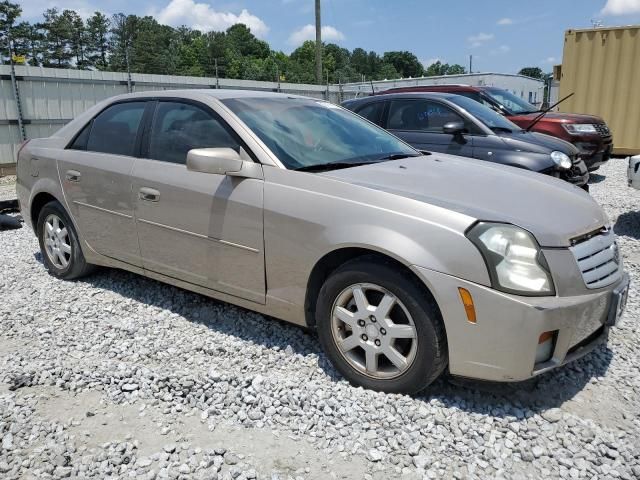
[126, 341]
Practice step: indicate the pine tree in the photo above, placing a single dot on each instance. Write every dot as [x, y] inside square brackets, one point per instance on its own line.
[9, 12]
[58, 33]
[29, 40]
[98, 30]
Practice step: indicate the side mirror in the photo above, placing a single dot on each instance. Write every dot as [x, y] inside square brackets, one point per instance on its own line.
[221, 161]
[454, 128]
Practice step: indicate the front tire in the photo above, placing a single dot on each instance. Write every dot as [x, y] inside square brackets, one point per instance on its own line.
[380, 329]
[59, 244]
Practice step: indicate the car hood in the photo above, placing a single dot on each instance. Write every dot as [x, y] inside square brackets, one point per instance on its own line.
[537, 143]
[557, 117]
[554, 211]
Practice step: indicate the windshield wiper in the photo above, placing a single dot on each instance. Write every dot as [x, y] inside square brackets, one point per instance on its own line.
[400, 156]
[502, 129]
[321, 167]
[336, 165]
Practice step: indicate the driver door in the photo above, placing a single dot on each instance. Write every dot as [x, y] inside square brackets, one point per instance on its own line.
[202, 228]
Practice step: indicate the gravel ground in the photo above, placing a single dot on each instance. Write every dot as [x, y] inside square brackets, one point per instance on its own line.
[7, 187]
[117, 376]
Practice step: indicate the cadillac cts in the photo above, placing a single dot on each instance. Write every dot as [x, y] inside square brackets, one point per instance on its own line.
[407, 265]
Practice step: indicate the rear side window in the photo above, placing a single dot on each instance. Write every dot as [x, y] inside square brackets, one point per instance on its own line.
[115, 129]
[180, 127]
[80, 142]
[372, 112]
[420, 115]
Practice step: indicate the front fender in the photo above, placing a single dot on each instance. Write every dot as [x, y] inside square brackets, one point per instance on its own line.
[536, 162]
[303, 225]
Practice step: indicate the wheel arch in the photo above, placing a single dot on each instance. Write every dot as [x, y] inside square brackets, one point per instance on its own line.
[332, 260]
[37, 203]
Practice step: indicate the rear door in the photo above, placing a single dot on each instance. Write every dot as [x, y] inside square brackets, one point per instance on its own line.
[95, 171]
[420, 123]
[201, 228]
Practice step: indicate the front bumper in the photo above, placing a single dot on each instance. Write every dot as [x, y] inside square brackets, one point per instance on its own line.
[595, 152]
[578, 174]
[502, 345]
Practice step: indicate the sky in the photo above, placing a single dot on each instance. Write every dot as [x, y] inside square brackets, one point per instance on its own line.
[502, 35]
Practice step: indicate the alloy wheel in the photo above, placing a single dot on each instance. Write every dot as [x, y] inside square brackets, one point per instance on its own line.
[57, 243]
[374, 331]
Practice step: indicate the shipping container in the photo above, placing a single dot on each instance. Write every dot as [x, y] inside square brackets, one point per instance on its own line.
[601, 67]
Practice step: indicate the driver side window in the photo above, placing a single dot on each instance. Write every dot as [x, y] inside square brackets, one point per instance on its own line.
[420, 115]
[180, 127]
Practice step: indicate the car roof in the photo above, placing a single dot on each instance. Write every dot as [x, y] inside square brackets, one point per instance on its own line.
[430, 88]
[380, 96]
[220, 94]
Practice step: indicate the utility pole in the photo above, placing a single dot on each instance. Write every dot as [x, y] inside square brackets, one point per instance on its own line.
[318, 45]
[470, 63]
[126, 59]
[216, 65]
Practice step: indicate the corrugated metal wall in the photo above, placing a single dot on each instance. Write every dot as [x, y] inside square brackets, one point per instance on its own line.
[51, 97]
[602, 68]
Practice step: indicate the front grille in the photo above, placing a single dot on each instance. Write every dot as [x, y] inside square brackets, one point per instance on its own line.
[598, 258]
[602, 129]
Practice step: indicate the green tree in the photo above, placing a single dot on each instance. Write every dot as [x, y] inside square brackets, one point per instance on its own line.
[456, 69]
[360, 62]
[141, 44]
[388, 72]
[98, 27]
[301, 67]
[121, 41]
[9, 12]
[406, 63]
[533, 72]
[58, 28]
[438, 68]
[78, 39]
[240, 39]
[154, 47]
[29, 40]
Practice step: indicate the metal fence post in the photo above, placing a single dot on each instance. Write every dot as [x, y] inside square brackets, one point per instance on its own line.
[16, 93]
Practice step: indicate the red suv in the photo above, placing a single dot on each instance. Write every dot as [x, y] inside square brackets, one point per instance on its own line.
[588, 133]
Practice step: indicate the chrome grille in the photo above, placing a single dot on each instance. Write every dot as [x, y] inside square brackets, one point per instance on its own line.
[598, 258]
[602, 129]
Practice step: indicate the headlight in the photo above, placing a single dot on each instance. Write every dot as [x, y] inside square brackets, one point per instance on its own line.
[578, 128]
[560, 159]
[515, 262]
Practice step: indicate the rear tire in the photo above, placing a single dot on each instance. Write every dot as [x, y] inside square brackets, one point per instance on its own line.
[380, 329]
[59, 244]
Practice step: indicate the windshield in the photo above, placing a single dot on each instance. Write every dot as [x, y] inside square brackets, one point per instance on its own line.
[304, 133]
[491, 119]
[514, 104]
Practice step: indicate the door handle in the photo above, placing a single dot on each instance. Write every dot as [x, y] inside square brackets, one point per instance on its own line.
[73, 176]
[149, 194]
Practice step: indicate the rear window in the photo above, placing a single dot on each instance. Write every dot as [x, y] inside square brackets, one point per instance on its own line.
[115, 129]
